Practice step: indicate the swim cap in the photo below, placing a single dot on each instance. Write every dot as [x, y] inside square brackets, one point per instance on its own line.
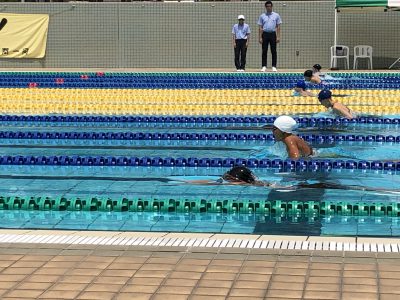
[317, 66]
[301, 84]
[308, 73]
[324, 94]
[285, 123]
[241, 173]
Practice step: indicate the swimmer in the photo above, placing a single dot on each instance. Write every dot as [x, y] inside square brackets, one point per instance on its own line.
[238, 175]
[282, 130]
[300, 90]
[311, 77]
[317, 72]
[316, 69]
[325, 98]
[241, 175]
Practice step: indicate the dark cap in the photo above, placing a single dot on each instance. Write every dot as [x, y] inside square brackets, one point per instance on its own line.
[317, 66]
[324, 94]
[308, 73]
[241, 173]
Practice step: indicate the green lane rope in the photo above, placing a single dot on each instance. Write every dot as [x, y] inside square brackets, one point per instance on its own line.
[277, 207]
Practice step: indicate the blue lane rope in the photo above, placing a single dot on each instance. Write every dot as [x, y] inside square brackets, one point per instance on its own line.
[284, 165]
[318, 138]
[193, 81]
[308, 121]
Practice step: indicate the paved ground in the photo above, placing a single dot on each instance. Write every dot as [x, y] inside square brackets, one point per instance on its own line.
[55, 271]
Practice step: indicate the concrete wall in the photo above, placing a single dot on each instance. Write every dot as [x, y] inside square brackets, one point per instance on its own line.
[198, 35]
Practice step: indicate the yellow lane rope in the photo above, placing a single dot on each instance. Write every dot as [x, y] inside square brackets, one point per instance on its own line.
[185, 102]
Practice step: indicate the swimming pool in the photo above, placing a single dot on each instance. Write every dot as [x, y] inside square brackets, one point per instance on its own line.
[130, 172]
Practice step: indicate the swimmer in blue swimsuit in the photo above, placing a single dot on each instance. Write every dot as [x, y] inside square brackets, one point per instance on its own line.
[301, 90]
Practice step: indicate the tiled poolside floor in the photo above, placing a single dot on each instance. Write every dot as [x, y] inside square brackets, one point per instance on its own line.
[83, 271]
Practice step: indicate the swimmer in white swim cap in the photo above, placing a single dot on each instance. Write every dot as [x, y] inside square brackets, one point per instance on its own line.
[283, 129]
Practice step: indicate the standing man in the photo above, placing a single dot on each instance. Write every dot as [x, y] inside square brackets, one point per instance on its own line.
[269, 33]
[240, 40]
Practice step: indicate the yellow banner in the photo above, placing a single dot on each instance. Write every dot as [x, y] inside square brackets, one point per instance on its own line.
[23, 35]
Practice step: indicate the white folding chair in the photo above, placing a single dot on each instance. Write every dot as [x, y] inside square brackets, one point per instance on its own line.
[362, 51]
[339, 51]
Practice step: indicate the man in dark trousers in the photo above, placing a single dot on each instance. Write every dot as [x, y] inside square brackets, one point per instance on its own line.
[240, 40]
[269, 33]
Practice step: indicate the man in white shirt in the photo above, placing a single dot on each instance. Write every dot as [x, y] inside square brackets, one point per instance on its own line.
[240, 40]
[269, 33]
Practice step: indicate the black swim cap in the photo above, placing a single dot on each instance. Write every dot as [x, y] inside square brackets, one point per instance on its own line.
[317, 66]
[308, 73]
[324, 94]
[242, 173]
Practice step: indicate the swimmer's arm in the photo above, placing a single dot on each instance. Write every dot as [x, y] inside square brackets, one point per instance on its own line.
[303, 92]
[256, 183]
[293, 151]
[309, 94]
[347, 113]
[215, 182]
[272, 185]
[344, 111]
[202, 182]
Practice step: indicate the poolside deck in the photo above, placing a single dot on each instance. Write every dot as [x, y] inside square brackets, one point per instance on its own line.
[122, 265]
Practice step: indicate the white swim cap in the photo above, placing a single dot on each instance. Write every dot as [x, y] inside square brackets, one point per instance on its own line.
[285, 123]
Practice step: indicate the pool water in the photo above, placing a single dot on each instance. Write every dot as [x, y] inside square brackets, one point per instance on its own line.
[117, 182]
[332, 201]
[159, 146]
